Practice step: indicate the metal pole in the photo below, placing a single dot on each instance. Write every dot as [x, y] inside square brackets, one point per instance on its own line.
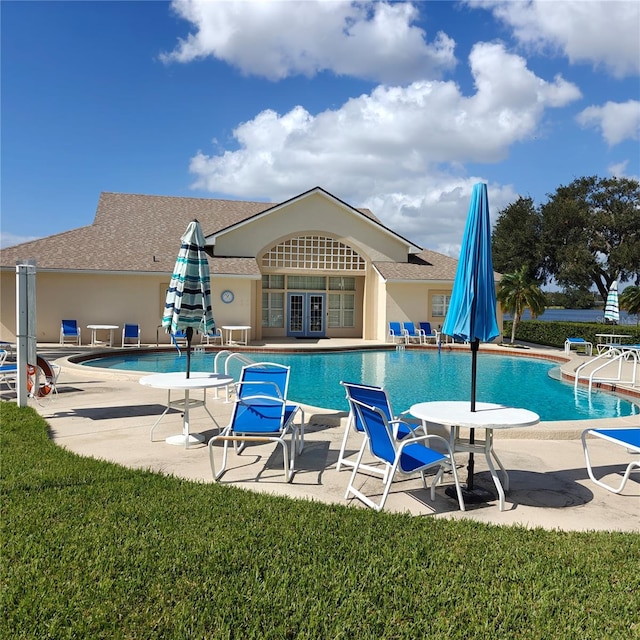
[25, 325]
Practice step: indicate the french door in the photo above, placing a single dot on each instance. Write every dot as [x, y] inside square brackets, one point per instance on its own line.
[306, 314]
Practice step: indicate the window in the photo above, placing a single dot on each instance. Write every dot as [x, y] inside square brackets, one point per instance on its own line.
[272, 282]
[342, 284]
[341, 310]
[307, 283]
[273, 310]
[313, 252]
[440, 305]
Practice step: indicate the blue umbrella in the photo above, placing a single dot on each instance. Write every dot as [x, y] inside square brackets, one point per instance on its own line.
[188, 302]
[472, 311]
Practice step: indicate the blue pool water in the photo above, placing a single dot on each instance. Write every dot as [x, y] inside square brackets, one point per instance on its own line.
[409, 377]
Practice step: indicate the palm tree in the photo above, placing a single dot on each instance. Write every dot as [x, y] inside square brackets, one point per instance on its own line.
[516, 292]
[630, 301]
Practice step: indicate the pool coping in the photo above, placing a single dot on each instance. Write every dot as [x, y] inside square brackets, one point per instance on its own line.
[545, 430]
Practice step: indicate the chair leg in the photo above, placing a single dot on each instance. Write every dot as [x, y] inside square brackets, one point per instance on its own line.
[343, 446]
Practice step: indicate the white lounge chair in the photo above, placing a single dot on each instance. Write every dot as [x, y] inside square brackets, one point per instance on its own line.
[629, 439]
[578, 343]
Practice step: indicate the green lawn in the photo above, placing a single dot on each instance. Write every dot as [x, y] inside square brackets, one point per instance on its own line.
[93, 550]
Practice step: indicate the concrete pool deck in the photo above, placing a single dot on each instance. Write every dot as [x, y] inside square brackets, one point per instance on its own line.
[108, 415]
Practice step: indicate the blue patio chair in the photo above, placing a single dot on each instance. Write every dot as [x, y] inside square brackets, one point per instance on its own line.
[70, 332]
[373, 396]
[261, 413]
[411, 455]
[412, 333]
[629, 439]
[131, 335]
[396, 334]
[429, 334]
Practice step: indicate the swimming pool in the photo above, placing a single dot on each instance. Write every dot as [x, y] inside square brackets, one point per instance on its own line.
[409, 376]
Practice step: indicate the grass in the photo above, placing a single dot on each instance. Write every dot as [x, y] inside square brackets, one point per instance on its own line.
[94, 550]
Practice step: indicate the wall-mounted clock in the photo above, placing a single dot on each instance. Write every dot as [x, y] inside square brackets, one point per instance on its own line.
[227, 296]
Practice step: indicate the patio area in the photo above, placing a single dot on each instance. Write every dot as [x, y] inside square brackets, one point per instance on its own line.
[108, 415]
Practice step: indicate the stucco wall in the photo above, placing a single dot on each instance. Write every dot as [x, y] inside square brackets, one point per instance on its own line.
[111, 299]
[316, 214]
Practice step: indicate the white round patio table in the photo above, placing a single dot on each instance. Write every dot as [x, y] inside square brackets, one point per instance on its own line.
[178, 381]
[488, 416]
[242, 329]
[102, 327]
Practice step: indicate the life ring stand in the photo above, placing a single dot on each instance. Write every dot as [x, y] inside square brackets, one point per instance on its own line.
[32, 371]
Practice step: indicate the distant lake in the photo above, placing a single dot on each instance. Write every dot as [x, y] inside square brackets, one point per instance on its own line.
[575, 315]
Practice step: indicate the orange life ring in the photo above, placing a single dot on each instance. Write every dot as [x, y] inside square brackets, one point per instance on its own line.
[43, 389]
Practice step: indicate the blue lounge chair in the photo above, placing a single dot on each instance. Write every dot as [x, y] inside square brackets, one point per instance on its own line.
[376, 397]
[396, 334]
[627, 438]
[261, 413]
[411, 455]
[578, 343]
[70, 332]
[131, 335]
[429, 334]
[412, 333]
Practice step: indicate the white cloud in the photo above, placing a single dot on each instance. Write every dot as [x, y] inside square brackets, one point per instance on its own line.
[276, 39]
[617, 121]
[600, 32]
[397, 150]
[10, 239]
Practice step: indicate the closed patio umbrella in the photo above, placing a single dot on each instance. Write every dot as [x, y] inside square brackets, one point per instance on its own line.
[471, 316]
[611, 308]
[188, 302]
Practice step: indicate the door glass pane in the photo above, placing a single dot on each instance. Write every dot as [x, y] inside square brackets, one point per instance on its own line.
[316, 313]
[295, 313]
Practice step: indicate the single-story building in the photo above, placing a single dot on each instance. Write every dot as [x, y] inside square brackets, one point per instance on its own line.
[313, 266]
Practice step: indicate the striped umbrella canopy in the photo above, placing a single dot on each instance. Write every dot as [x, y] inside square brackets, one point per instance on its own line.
[188, 303]
[611, 308]
[471, 315]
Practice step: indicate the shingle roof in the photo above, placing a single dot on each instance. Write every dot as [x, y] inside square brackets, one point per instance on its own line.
[137, 233]
[140, 234]
[426, 265]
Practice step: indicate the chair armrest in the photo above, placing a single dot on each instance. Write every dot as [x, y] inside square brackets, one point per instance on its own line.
[396, 422]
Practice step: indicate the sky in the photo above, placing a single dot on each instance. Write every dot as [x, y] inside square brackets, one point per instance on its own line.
[400, 107]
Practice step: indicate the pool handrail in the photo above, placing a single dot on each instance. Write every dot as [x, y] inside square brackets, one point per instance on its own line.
[230, 356]
[617, 353]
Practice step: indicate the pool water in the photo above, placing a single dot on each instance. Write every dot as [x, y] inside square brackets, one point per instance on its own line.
[410, 377]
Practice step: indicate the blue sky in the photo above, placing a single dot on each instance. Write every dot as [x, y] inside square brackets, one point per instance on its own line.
[400, 107]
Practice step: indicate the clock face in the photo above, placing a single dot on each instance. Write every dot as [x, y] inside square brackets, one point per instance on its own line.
[227, 296]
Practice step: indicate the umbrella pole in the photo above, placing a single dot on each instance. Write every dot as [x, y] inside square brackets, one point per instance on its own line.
[475, 345]
[470, 493]
[189, 333]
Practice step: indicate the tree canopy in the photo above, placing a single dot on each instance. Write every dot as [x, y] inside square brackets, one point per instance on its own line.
[516, 239]
[587, 234]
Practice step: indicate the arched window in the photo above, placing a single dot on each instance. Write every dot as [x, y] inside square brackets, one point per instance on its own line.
[309, 253]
